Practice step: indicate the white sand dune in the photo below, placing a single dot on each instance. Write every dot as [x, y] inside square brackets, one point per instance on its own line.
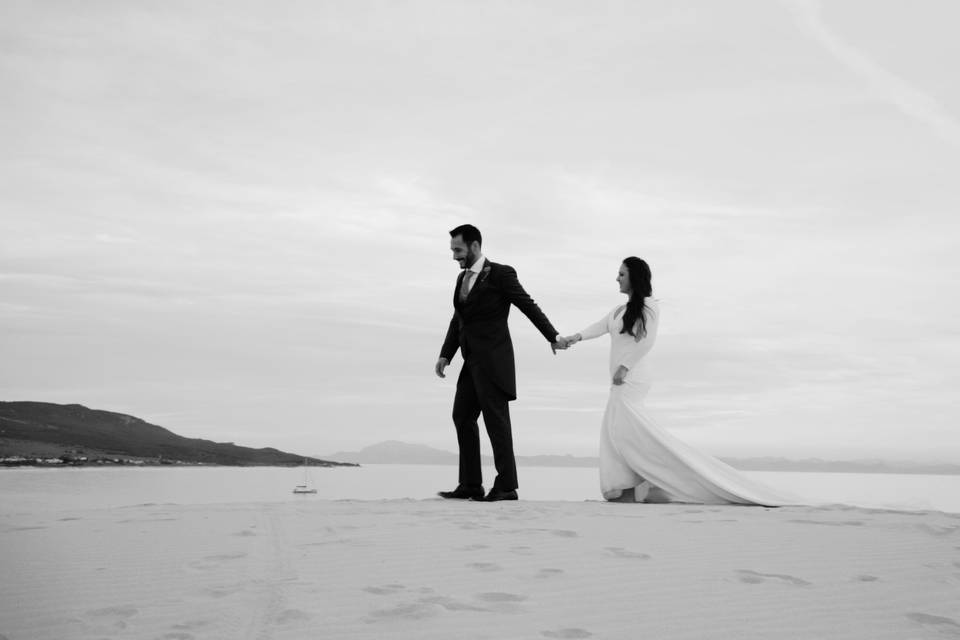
[437, 569]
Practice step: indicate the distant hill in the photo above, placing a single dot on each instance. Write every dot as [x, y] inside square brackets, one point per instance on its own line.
[395, 452]
[41, 429]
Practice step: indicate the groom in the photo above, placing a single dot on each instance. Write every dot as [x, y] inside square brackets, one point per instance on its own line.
[487, 383]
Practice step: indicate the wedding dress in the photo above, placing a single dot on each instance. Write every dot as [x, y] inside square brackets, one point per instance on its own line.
[637, 453]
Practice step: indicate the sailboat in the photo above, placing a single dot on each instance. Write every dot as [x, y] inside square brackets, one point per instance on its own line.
[305, 487]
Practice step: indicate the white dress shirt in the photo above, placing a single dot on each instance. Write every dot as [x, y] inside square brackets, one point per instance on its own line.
[476, 268]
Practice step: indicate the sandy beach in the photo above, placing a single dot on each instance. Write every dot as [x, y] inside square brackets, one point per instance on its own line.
[437, 569]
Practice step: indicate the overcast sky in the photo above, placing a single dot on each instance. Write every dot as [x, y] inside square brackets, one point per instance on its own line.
[230, 218]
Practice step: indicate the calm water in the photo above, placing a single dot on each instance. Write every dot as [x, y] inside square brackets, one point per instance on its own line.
[30, 489]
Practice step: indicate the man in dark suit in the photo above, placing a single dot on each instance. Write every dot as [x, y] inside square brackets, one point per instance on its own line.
[487, 383]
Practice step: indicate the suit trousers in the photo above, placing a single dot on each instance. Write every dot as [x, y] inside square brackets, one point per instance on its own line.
[476, 395]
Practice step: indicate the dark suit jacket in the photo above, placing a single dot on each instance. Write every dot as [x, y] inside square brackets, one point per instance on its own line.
[479, 325]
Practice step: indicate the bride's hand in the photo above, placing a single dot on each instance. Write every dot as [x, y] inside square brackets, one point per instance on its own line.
[619, 375]
[572, 340]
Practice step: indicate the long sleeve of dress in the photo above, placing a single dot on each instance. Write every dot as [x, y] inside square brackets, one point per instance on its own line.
[597, 329]
[630, 357]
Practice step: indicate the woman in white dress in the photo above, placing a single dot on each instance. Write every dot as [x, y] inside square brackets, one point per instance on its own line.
[639, 460]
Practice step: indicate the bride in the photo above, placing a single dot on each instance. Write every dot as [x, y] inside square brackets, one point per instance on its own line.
[639, 460]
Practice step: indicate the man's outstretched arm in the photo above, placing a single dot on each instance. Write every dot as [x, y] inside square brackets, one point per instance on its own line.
[518, 297]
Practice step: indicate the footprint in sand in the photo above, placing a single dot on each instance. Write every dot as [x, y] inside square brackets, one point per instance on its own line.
[226, 556]
[120, 611]
[567, 633]
[191, 625]
[472, 547]
[502, 602]
[484, 566]
[288, 616]
[409, 611]
[114, 616]
[754, 577]
[452, 605]
[212, 562]
[565, 533]
[385, 590]
[223, 591]
[620, 552]
[521, 551]
[434, 605]
[865, 578]
[548, 573]
[178, 635]
[948, 625]
[500, 596]
[347, 542]
[423, 608]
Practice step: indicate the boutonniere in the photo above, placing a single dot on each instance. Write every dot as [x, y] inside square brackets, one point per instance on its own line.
[483, 274]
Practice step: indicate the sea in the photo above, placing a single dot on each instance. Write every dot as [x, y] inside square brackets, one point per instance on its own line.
[32, 489]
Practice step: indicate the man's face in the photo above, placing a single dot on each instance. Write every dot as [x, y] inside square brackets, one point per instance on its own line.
[463, 254]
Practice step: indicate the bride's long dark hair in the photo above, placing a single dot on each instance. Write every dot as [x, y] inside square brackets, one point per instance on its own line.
[641, 286]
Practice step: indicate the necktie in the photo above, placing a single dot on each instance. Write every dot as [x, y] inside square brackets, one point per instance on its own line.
[465, 285]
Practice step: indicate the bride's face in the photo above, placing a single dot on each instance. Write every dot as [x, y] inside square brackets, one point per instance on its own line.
[623, 277]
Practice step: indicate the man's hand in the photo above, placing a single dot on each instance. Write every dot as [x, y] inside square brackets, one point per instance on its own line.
[619, 375]
[440, 366]
[565, 342]
[559, 343]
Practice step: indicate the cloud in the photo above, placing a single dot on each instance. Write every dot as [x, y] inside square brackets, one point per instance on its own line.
[247, 225]
[910, 100]
[107, 238]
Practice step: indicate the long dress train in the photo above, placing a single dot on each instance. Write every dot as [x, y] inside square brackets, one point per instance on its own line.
[636, 453]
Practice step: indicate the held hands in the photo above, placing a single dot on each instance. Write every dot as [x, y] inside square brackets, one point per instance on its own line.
[565, 342]
[560, 344]
[619, 375]
[440, 366]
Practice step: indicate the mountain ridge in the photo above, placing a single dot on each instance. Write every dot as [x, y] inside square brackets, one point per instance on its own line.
[75, 433]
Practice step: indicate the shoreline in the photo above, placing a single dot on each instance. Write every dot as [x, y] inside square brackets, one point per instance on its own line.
[332, 464]
[128, 465]
[92, 486]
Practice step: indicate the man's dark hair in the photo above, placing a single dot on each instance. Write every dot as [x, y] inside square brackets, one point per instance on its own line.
[469, 233]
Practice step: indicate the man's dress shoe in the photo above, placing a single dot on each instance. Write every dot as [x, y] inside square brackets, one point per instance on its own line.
[496, 495]
[462, 493]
